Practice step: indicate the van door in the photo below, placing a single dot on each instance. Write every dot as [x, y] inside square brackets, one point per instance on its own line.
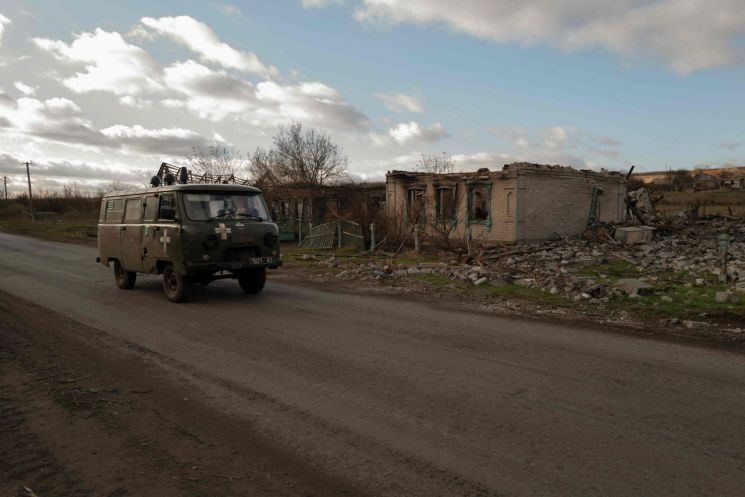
[149, 238]
[163, 234]
[131, 235]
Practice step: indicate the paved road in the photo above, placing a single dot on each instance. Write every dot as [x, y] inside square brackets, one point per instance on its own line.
[412, 399]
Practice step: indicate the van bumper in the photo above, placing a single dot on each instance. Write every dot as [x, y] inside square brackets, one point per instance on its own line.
[213, 267]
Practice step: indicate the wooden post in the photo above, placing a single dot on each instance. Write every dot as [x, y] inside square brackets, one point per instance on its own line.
[5, 180]
[30, 200]
[416, 239]
[299, 232]
[339, 232]
[372, 237]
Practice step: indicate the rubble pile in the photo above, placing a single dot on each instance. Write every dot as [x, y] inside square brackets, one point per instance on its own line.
[588, 268]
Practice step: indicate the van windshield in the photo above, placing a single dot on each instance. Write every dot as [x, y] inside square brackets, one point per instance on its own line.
[207, 206]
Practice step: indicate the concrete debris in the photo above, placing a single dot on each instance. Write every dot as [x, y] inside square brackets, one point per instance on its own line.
[695, 325]
[634, 234]
[635, 287]
[594, 269]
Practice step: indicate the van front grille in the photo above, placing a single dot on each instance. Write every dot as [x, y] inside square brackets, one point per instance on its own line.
[239, 254]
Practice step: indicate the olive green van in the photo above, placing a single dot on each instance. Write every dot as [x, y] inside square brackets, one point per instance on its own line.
[188, 233]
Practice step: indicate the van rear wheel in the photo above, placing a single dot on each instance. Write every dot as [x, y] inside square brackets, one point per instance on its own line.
[175, 286]
[123, 278]
[252, 280]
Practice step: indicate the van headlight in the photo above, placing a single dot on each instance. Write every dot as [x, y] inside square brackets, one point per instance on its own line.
[270, 239]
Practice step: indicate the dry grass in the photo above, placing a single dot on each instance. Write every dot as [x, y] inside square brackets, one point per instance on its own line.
[717, 202]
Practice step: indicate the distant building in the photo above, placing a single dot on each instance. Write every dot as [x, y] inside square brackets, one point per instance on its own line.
[522, 202]
[703, 181]
[724, 177]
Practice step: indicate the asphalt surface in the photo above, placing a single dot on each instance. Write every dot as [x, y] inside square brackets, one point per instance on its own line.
[417, 399]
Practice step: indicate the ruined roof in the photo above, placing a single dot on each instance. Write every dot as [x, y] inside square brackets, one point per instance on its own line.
[510, 170]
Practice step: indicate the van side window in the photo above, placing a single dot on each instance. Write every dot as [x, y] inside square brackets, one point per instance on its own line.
[151, 208]
[167, 207]
[133, 210]
[114, 208]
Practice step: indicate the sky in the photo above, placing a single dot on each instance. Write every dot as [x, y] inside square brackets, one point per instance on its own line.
[98, 91]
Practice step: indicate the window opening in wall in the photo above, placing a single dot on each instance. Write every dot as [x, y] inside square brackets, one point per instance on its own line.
[479, 203]
[446, 206]
[415, 205]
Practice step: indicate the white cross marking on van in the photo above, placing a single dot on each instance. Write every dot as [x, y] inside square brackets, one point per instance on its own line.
[223, 231]
[165, 239]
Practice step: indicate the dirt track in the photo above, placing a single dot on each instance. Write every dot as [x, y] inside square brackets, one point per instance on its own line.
[301, 392]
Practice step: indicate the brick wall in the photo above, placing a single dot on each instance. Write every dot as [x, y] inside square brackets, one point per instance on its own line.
[560, 203]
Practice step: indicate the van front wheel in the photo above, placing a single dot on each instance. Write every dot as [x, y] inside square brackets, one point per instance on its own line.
[175, 286]
[123, 278]
[252, 280]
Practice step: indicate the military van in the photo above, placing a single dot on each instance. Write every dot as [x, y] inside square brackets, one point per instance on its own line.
[189, 234]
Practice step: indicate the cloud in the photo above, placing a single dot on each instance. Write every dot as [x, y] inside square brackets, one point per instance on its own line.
[399, 102]
[467, 162]
[202, 40]
[566, 145]
[110, 63]
[24, 88]
[3, 22]
[61, 120]
[229, 9]
[690, 35]
[166, 141]
[210, 94]
[404, 133]
[312, 102]
[316, 4]
[53, 173]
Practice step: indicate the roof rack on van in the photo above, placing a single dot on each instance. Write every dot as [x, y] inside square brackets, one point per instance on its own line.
[168, 174]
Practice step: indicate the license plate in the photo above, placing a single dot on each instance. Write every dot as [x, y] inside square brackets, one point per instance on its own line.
[260, 260]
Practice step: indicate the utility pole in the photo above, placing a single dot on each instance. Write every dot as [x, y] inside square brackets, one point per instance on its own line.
[5, 181]
[30, 200]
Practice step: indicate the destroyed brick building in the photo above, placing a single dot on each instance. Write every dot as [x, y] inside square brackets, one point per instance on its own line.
[321, 203]
[522, 202]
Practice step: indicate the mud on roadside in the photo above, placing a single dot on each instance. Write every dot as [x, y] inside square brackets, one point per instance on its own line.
[78, 418]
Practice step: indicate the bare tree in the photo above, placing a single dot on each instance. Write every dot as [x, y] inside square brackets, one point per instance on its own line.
[304, 156]
[436, 164]
[681, 180]
[116, 186]
[218, 160]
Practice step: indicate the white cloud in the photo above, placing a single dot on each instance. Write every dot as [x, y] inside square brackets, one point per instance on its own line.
[404, 133]
[315, 4]
[201, 39]
[229, 9]
[313, 103]
[467, 162]
[111, 64]
[690, 35]
[3, 22]
[399, 102]
[168, 141]
[213, 95]
[61, 120]
[24, 88]
[565, 145]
